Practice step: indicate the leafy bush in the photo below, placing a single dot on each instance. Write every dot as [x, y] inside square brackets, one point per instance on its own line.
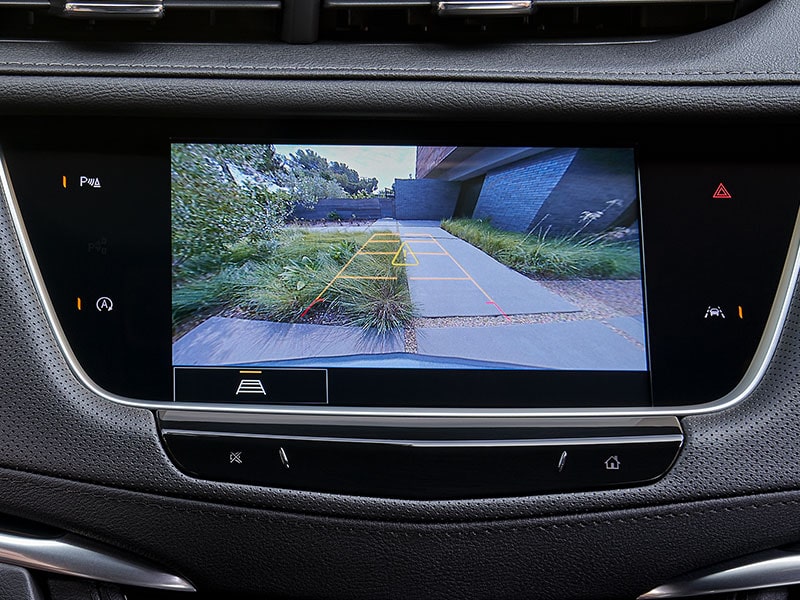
[382, 304]
[223, 194]
[281, 281]
[551, 257]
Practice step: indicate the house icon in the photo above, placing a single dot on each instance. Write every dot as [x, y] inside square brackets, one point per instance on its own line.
[613, 463]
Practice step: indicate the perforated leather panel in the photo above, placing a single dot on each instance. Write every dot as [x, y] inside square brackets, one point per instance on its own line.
[72, 459]
[51, 424]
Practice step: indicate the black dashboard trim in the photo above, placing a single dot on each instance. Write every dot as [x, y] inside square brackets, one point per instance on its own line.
[751, 379]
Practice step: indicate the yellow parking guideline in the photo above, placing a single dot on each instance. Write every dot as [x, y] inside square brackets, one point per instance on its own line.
[463, 270]
[360, 251]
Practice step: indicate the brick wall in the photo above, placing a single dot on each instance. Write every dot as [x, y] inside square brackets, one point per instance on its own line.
[513, 195]
[428, 157]
[599, 180]
[428, 199]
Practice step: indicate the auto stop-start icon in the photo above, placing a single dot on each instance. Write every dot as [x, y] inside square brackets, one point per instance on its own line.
[104, 304]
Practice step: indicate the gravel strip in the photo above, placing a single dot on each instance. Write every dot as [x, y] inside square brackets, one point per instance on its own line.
[603, 299]
[410, 339]
[597, 300]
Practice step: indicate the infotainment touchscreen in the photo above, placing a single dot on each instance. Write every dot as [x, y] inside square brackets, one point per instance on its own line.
[413, 268]
[294, 259]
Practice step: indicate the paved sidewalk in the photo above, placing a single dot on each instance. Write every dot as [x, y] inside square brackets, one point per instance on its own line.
[576, 345]
[449, 277]
[228, 341]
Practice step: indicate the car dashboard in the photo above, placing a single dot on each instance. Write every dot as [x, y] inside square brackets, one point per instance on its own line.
[214, 216]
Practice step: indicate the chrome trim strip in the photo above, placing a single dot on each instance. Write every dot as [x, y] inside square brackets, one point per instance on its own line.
[222, 4]
[753, 376]
[768, 569]
[70, 555]
[483, 8]
[495, 443]
[170, 417]
[87, 9]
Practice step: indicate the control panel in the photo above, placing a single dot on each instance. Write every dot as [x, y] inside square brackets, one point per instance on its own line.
[426, 460]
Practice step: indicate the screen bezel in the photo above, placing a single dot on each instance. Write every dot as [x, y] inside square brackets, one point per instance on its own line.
[453, 387]
[596, 135]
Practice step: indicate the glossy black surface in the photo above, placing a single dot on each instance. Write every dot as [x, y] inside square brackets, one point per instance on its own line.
[700, 253]
[416, 470]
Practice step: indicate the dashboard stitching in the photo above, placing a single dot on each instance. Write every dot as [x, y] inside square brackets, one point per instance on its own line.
[271, 69]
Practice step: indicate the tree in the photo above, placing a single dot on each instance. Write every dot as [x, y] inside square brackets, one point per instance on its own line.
[315, 170]
[221, 194]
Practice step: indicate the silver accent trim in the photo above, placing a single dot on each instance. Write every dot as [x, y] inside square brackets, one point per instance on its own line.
[562, 461]
[70, 555]
[222, 5]
[494, 443]
[483, 8]
[768, 569]
[88, 9]
[753, 376]
[171, 416]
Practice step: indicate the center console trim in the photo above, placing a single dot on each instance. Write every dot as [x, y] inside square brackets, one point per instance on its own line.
[467, 443]
[755, 372]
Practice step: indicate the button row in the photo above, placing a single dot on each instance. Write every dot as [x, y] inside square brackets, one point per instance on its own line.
[423, 469]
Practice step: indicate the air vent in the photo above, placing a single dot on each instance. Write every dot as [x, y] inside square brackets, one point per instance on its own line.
[548, 19]
[146, 20]
[303, 21]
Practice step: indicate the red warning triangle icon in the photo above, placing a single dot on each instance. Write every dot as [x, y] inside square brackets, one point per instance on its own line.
[722, 192]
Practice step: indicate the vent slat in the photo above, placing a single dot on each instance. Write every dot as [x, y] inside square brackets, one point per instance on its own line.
[304, 21]
[417, 20]
[222, 5]
[376, 3]
[537, 3]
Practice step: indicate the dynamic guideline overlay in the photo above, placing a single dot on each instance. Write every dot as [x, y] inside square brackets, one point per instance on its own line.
[420, 257]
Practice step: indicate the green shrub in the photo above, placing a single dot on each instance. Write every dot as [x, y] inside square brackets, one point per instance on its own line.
[551, 257]
[281, 279]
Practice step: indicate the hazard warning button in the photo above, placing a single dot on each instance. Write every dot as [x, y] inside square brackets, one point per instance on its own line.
[722, 192]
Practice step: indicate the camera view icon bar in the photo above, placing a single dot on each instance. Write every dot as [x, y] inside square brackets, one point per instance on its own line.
[251, 386]
[263, 385]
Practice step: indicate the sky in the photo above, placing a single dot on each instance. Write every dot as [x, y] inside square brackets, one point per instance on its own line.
[386, 163]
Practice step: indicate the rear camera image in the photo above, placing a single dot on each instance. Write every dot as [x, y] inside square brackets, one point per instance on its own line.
[323, 256]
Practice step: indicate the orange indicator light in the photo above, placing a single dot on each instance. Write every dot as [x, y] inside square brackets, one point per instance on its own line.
[64, 181]
[79, 303]
[741, 315]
